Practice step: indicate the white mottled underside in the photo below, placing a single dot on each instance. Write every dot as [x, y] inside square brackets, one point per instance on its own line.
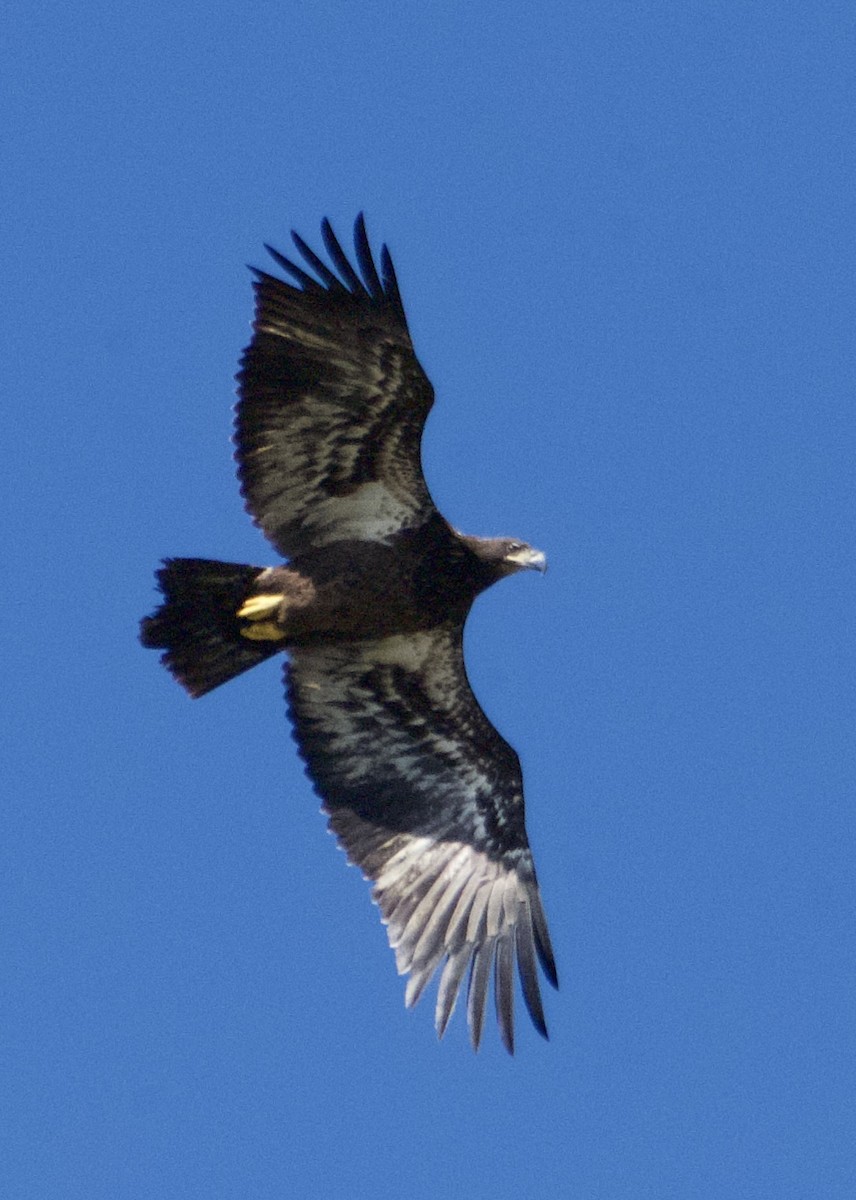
[336, 458]
[426, 798]
[371, 513]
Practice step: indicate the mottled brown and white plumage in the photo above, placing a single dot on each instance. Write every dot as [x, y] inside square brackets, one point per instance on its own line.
[422, 792]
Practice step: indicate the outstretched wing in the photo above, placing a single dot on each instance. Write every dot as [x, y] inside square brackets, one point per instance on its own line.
[332, 403]
[426, 798]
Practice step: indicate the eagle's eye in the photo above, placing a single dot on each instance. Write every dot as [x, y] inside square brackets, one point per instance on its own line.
[513, 547]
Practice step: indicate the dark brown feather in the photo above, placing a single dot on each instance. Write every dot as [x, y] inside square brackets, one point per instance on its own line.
[332, 405]
[426, 798]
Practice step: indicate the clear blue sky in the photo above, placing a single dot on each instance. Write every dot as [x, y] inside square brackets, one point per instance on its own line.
[625, 238]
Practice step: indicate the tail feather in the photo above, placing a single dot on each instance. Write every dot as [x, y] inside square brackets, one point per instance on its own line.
[197, 626]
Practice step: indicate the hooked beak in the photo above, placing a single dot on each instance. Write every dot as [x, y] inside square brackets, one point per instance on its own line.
[529, 559]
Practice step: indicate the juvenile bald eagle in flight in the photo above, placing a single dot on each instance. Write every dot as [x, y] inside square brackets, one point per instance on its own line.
[422, 792]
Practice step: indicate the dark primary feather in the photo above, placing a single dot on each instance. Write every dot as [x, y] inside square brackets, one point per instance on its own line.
[365, 259]
[332, 403]
[426, 798]
[340, 260]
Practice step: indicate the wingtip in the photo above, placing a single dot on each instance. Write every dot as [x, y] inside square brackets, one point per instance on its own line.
[390, 281]
[276, 255]
[540, 1024]
[365, 281]
[506, 1034]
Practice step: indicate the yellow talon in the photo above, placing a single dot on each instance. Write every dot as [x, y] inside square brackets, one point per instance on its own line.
[258, 607]
[263, 631]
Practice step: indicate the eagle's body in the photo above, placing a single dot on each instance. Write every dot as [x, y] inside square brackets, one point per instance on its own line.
[425, 577]
[422, 791]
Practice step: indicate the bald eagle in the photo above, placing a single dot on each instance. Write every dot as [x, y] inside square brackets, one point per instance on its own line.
[421, 790]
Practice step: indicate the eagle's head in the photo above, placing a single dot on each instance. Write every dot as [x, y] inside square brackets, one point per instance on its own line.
[508, 555]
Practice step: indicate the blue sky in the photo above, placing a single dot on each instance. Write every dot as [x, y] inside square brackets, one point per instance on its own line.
[624, 235]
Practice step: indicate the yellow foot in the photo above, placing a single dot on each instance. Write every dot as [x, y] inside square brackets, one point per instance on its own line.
[259, 607]
[258, 610]
[262, 631]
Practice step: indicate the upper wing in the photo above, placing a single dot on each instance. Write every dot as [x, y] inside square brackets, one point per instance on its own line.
[426, 797]
[332, 404]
